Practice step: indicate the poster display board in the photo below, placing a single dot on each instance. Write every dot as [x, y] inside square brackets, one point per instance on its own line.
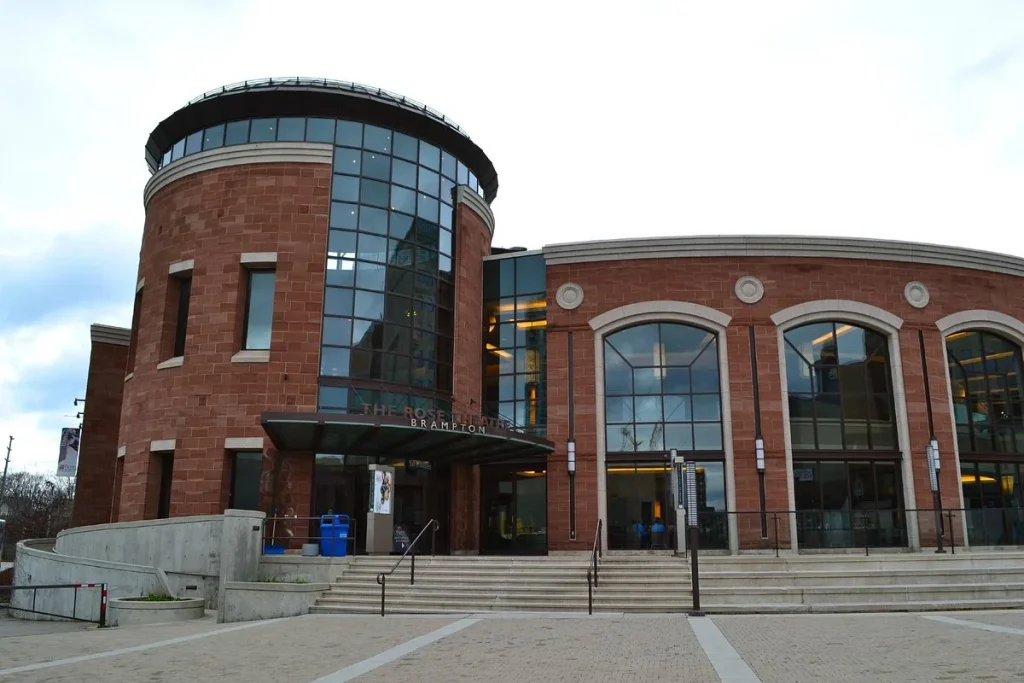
[382, 487]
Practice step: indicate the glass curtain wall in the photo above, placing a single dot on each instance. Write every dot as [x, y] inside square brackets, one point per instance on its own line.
[662, 391]
[274, 129]
[846, 461]
[988, 408]
[515, 341]
[388, 316]
[388, 305]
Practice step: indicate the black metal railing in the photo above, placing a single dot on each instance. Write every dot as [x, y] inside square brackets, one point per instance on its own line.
[829, 529]
[291, 533]
[101, 619]
[995, 526]
[595, 555]
[382, 578]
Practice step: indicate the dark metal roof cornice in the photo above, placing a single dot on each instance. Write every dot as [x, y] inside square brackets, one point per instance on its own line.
[327, 98]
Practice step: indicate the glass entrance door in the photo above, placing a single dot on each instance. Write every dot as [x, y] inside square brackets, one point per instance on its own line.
[514, 511]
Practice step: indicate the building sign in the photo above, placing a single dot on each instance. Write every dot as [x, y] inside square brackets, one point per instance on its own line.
[441, 420]
[67, 460]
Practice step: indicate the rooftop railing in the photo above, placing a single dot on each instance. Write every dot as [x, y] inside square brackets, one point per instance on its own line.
[330, 84]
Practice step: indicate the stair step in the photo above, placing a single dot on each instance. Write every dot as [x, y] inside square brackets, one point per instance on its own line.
[866, 607]
[659, 583]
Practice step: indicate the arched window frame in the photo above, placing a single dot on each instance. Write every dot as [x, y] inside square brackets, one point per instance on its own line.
[837, 328]
[668, 312]
[985, 320]
[978, 450]
[709, 348]
[865, 315]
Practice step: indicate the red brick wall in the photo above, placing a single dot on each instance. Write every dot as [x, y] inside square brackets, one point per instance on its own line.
[710, 282]
[214, 217]
[97, 458]
[472, 244]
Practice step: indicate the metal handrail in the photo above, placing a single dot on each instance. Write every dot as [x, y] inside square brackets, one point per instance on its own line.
[595, 553]
[382, 578]
[102, 620]
[774, 540]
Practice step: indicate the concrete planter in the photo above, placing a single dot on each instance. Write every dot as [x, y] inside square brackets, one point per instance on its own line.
[245, 601]
[128, 612]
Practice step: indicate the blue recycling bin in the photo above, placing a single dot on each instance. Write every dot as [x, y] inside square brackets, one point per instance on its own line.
[334, 535]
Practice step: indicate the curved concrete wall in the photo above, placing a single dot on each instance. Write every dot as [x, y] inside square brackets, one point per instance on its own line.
[38, 565]
[183, 545]
[180, 557]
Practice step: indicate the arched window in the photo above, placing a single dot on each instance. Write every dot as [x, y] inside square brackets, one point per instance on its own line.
[846, 463]
[662, 391]
[840, 388]
[988, 408]
[985, 377]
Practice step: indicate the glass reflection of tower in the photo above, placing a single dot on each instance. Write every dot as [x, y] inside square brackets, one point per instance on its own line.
[389, 322]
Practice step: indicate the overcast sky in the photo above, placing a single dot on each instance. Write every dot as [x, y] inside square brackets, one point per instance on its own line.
[871, 118]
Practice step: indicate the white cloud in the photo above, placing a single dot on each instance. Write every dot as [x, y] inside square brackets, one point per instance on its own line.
[603, 119]
[57, 349]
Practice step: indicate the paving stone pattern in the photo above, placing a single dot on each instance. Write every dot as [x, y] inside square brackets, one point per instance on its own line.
[624, 650]
[895, 648]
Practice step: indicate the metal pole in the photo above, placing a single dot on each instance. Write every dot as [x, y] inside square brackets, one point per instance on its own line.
[691, 520]
[571, 464]
[762, 496]
[103, 605]
[590, 594]
[952, 533]
[758, 439]
[3, 479]
[935, 467]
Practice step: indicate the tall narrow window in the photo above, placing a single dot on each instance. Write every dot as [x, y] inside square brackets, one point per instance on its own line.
[259, 310]
[988, 408]
[181, 324]
[133, 341]
[247, 469]
[662, 386]
[163, 504]
[847, 474]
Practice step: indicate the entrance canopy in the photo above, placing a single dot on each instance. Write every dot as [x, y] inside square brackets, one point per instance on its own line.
[394, 436]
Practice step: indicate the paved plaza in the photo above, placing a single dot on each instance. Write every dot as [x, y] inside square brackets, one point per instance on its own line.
[541, 648]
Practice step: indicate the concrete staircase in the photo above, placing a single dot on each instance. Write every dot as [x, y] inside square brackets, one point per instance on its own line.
[661, 583]
[642, 584]
[904, 582]
[461, 584]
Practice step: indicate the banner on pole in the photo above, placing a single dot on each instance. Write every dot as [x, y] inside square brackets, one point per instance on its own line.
[67, 461]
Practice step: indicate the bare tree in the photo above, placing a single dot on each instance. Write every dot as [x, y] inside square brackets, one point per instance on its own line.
[37, 507]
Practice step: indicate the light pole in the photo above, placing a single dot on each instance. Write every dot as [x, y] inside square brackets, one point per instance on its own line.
[571, 449]
[759, 454]
[694, 540]
[934, 468]
[3, 479]
[679, 482]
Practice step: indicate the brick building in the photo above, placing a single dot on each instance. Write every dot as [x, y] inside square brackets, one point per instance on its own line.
[318, 292]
